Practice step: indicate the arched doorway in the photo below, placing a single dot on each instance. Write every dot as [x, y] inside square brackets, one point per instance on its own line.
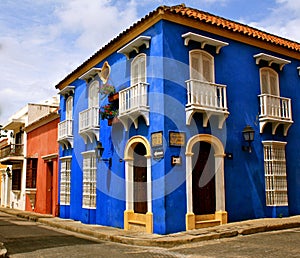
[138, 214]
[205, 189]
[203, 179]
[140, 179]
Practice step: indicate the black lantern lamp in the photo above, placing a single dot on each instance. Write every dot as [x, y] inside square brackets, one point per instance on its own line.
[8, 172]
[248, 134]
[99, 152]
[5, 131]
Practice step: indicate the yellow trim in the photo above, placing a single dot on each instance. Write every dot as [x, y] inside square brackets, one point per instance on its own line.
[214, 141]
[132, 142]
[138, 222]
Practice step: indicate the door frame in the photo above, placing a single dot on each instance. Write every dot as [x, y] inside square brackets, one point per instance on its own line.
[218, 148]
[134, 220]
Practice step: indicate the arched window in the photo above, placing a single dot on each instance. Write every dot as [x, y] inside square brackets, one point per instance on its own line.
[202, 66]
[94, 94]
[138, 69]
[69, 108]
[269, 81]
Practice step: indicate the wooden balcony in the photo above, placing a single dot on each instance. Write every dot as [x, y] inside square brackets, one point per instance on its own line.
[275, 110]
[65, 133]
[206, 98]
[11, 154]
[133, 102]
[89, 124]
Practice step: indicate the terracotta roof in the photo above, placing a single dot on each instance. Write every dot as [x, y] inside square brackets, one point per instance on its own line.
[196, 15]
[230, 25]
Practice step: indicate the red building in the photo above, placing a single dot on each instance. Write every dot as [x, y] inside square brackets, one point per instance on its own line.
[42, 159]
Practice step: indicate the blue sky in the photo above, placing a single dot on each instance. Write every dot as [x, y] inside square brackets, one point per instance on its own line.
[43, 41]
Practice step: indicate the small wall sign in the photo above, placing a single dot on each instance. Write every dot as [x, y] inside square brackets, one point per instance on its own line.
[176, 139]
[158, 153]
[175, 160]
[157, 139]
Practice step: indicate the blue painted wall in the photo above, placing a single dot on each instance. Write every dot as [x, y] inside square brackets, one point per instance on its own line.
[167, 71]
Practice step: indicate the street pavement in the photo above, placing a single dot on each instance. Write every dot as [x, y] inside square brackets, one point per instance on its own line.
[171, 240]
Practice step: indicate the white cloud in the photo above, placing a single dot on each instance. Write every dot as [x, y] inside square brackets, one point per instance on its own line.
[282, 20]
[41, 43]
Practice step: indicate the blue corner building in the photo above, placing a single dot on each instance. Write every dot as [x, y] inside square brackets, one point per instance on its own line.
[183, 121]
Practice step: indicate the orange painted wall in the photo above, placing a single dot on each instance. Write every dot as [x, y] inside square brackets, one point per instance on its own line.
[42, 141]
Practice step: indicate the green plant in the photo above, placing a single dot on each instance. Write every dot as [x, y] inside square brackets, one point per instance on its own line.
[108, 111]
[106, 89]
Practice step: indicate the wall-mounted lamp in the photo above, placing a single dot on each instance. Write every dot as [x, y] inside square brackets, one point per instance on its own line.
[8, 172]
[5, 131]
[99, 152]
[248, 134]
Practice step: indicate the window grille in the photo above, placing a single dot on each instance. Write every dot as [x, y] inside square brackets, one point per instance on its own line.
[275, 173]
[89, 180]
[65, 181]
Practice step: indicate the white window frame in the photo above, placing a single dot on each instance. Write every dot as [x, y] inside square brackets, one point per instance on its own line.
[65, 180]
[89, 180]
[200, 54]
[94, 94]
[271, 90]
[139, 69]
[275, 173]
[69, 108]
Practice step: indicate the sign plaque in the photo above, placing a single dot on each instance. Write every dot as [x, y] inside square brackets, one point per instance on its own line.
[176, 139]
[157, 139]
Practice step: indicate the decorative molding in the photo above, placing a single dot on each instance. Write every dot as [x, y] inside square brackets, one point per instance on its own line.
[204, 41]
[67, 91]
[134, 45]
[90, 74]
[271, 59]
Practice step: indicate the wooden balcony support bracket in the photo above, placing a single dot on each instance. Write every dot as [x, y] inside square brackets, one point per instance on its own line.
[222, 116]
[275, 124]
[90, 134]
[128, 119]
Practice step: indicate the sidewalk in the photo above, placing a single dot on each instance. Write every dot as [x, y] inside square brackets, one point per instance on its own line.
[170, 240]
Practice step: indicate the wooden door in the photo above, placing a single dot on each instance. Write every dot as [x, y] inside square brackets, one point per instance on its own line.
[140, 179]
[49, 188]
[204, 196]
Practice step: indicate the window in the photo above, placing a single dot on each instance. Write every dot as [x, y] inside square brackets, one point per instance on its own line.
[201, 66]
[138, 69]
[275, 173]
[69, 108]
[269, 81]
[31, 172]
[65, 181]
[16, 179]
[89, 179]
[94, 94]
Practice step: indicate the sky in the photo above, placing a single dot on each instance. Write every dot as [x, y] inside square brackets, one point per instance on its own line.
[42, 41]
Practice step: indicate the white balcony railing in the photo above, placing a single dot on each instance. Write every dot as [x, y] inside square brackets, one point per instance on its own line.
[207, 95]
[276, 110]
[133, 102]
[89, 118]
[133, 98]
[65, 133]
[207, 98]
[89, 123]
[275, 107]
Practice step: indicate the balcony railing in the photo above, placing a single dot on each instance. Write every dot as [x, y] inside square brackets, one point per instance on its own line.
[276, 110]
[11, 150]
[133, 102]
[65, 132]
[275, 107]
[89, 118]
[207, 98]
[89, 123]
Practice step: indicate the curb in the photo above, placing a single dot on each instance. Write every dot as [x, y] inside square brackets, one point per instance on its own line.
[105, 233]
